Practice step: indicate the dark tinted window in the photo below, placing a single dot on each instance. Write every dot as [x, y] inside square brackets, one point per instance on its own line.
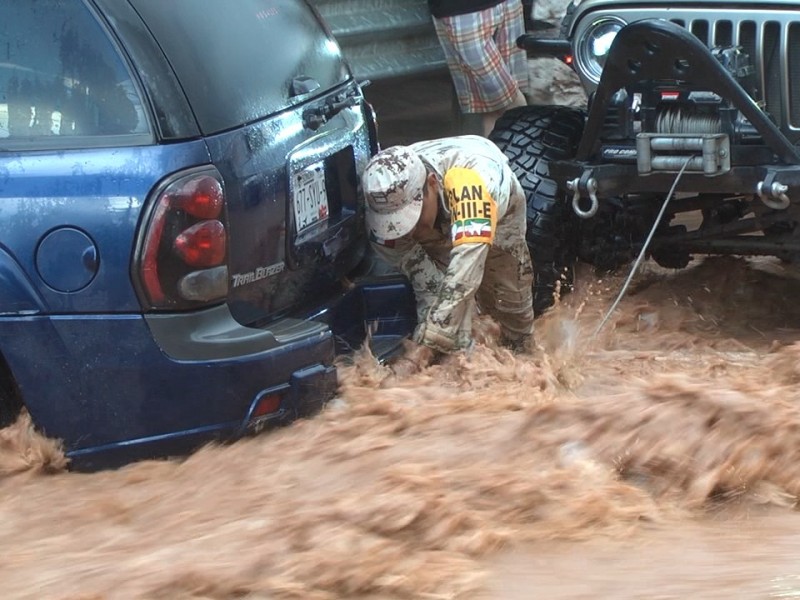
[236, 59]
[60, 75]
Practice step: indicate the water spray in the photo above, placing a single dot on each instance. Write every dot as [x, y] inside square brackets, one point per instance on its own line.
[643, 251]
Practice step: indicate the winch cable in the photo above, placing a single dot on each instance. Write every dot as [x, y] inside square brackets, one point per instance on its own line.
[643, 251]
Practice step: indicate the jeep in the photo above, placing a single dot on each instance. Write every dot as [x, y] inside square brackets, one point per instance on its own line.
[688, 144]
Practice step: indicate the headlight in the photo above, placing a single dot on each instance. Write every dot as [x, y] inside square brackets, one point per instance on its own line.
[591, 49]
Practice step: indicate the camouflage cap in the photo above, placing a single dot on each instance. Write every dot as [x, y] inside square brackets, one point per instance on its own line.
[393, 183]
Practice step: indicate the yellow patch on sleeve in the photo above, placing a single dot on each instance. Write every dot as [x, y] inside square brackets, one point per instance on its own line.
[473, 211]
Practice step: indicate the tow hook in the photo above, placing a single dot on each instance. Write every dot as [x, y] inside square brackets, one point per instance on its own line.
[773, 194]
[586, 184]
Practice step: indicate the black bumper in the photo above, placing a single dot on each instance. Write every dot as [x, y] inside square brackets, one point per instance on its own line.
[654, 50]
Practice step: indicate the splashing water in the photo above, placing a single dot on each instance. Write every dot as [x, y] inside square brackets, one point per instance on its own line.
[685, 406]
[22, 450]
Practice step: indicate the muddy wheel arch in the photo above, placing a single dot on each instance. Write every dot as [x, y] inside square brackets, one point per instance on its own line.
[10, 397]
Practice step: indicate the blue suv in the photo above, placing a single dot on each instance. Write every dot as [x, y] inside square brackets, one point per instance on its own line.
[183, 249]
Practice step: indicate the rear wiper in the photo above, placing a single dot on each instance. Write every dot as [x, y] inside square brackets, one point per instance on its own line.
[314, 118]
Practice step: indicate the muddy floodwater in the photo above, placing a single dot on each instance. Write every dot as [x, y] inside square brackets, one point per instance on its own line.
[658, 457]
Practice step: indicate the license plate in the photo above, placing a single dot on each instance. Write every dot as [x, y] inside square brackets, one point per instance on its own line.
[309, 196]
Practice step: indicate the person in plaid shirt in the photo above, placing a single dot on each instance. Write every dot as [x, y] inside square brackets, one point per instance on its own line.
[478, 38]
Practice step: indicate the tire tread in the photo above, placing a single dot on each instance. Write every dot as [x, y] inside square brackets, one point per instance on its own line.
[531, 137]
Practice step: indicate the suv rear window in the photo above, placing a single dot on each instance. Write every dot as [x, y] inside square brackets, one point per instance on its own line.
[251, 50]
[61, 76]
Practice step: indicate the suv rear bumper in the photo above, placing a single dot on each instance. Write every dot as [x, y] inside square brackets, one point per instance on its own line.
[134, 387]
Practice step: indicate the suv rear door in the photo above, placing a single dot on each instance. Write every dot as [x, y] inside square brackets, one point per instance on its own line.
[284, 125]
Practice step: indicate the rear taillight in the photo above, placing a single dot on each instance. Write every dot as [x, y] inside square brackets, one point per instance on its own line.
[181, 255]
[202, 244]
[201, 197]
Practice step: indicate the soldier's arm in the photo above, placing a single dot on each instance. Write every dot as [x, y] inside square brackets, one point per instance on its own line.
[448, 324]
[473, 220]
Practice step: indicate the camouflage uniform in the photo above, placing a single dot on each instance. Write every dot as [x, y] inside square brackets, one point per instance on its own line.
[483, 259]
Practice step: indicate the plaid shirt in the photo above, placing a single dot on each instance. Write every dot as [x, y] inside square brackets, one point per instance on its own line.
[485, 63]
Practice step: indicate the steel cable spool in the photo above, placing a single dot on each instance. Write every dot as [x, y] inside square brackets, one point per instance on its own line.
[683, 121]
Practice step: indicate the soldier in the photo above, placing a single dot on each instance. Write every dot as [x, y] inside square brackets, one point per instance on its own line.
[450, 215]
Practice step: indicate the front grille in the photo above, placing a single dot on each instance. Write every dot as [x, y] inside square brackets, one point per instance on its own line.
[771, 38]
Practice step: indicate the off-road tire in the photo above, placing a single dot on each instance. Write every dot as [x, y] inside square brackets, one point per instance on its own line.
[531, 137]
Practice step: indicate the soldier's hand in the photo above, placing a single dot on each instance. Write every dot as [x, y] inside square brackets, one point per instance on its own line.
[415, 358]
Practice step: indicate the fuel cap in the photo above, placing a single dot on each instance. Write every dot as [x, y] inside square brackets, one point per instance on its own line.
[67, 259]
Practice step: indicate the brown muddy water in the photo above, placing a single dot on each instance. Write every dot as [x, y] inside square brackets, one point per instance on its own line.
[657, 459]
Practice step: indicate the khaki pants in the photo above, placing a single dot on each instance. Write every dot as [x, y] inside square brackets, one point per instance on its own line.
[505, 292]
